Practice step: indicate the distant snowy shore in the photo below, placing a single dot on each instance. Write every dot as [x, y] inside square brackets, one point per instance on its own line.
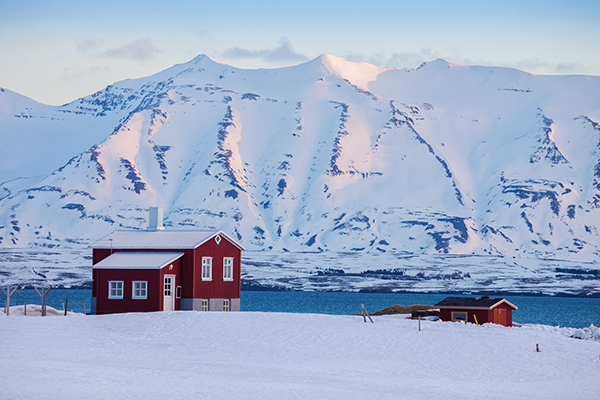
[286, 356]
[349, 271]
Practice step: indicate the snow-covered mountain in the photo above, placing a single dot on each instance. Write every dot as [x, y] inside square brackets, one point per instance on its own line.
[326, 155]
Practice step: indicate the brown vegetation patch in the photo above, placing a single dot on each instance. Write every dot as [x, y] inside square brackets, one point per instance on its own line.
[398, 309]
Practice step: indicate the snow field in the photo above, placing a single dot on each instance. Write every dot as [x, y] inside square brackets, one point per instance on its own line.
[288, 356]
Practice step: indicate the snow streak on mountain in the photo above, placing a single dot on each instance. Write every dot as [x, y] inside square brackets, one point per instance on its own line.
[327, 155]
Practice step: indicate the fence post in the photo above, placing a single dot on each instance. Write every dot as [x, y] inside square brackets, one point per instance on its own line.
[83, 306]
[8, 292]
[43, 291]
[66, 305]
[25, 309]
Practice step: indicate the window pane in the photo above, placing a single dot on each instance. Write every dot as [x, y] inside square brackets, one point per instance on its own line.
[459, 315]
[228, 268]
[206, 268]
[115, 289]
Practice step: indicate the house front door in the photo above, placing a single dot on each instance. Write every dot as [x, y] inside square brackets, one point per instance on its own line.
[169, 297]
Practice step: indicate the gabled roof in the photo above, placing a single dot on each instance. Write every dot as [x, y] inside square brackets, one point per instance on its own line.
[163, 239]
[133, 260]
[480, 303]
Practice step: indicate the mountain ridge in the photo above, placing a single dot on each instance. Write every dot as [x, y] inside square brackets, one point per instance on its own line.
[326, 155]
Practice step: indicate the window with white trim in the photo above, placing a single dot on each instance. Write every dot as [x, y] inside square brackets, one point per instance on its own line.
[207, 268]
[225, 304]
[227, 268]
[115, 289]
[204, 306]
[459, 316]
[139, 290]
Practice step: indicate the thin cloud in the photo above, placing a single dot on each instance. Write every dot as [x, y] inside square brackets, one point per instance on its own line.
[535, 66]
[73, 74]
[544, 67]
[203, 33]
[140, 50]
[568, 68]
[88, 46]
[399, 60]
[283, 52]
[414, 59]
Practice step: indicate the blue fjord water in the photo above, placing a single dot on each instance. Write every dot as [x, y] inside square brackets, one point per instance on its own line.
[555, 311]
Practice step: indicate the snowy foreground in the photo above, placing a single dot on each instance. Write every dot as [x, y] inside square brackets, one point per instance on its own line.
[289, 356]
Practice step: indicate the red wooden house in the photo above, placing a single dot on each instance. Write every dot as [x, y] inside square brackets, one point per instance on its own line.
[476, 310]
[164, 270]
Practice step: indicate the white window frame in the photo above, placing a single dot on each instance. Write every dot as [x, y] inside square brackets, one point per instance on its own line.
[118, 288]
[227, 268]
[457, 318]
[142, 290]
[204, 305]
[226, 304]
[207, 268]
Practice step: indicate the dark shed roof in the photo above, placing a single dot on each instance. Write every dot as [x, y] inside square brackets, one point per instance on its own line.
[485, 303]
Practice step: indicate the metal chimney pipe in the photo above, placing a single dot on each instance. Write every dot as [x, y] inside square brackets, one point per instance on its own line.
[156, 219]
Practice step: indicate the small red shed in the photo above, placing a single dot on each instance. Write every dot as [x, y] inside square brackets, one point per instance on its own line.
[164, 270]
[476, 310]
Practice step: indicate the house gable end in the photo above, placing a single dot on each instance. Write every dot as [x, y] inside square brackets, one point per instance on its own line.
[223, 235]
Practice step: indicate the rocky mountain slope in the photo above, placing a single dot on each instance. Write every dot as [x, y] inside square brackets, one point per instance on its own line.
[326, 155]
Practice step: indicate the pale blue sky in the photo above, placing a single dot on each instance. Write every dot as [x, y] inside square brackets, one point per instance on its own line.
[57, 51]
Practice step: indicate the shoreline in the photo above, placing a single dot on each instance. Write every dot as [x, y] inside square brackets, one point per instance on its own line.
[267, 288]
